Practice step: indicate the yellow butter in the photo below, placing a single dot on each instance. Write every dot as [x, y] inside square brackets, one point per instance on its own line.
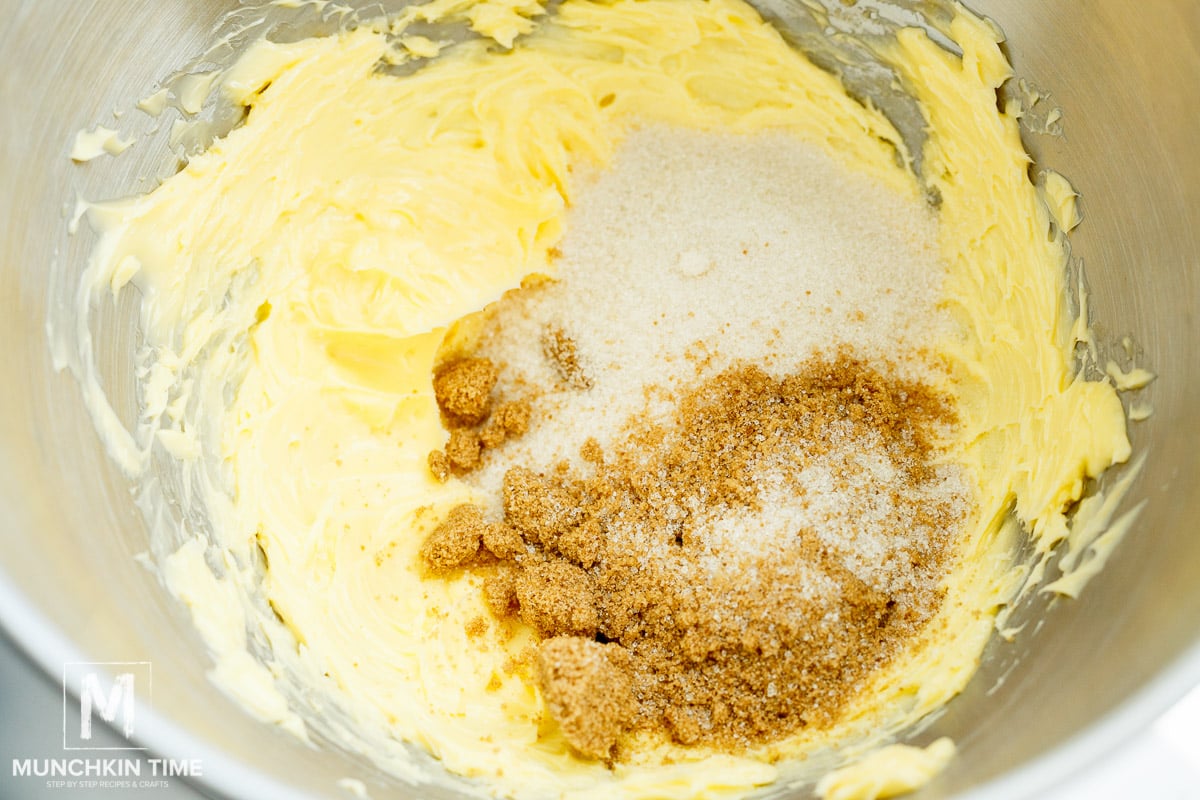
[300, 276]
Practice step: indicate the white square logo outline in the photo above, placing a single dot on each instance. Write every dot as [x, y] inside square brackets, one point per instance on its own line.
[134, 691]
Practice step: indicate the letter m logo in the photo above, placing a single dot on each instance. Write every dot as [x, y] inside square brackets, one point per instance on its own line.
[109, 691]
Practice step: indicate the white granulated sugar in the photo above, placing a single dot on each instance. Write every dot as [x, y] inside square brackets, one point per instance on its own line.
[698, 245]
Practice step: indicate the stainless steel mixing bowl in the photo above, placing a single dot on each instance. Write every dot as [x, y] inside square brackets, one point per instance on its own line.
[1127, 76]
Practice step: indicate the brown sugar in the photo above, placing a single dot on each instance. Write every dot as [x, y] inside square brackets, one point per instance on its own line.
[439, 465]
[591, 451]
[582, 544]
[749, 562]
[563, 354]
[558, 598]
[503, 541]
[500, 591]
[587, 690]
[464, 451]
[540, 508]
[463, 389]
[509, 421]
[456, 540]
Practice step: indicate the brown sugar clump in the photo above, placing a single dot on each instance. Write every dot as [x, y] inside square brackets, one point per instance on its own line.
[500, 592]
[464, 451]
[509, 421]
[503, 541]
[439, 465]
[591, 451]
[556, 597]
[456, 540]
[463, 389]
[685, 724]
[587, 692]
[563, 354]
[582, 544]
[540, 508]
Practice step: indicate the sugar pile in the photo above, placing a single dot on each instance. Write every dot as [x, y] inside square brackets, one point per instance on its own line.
[748, 561]
[731, 474]
[696, 250]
